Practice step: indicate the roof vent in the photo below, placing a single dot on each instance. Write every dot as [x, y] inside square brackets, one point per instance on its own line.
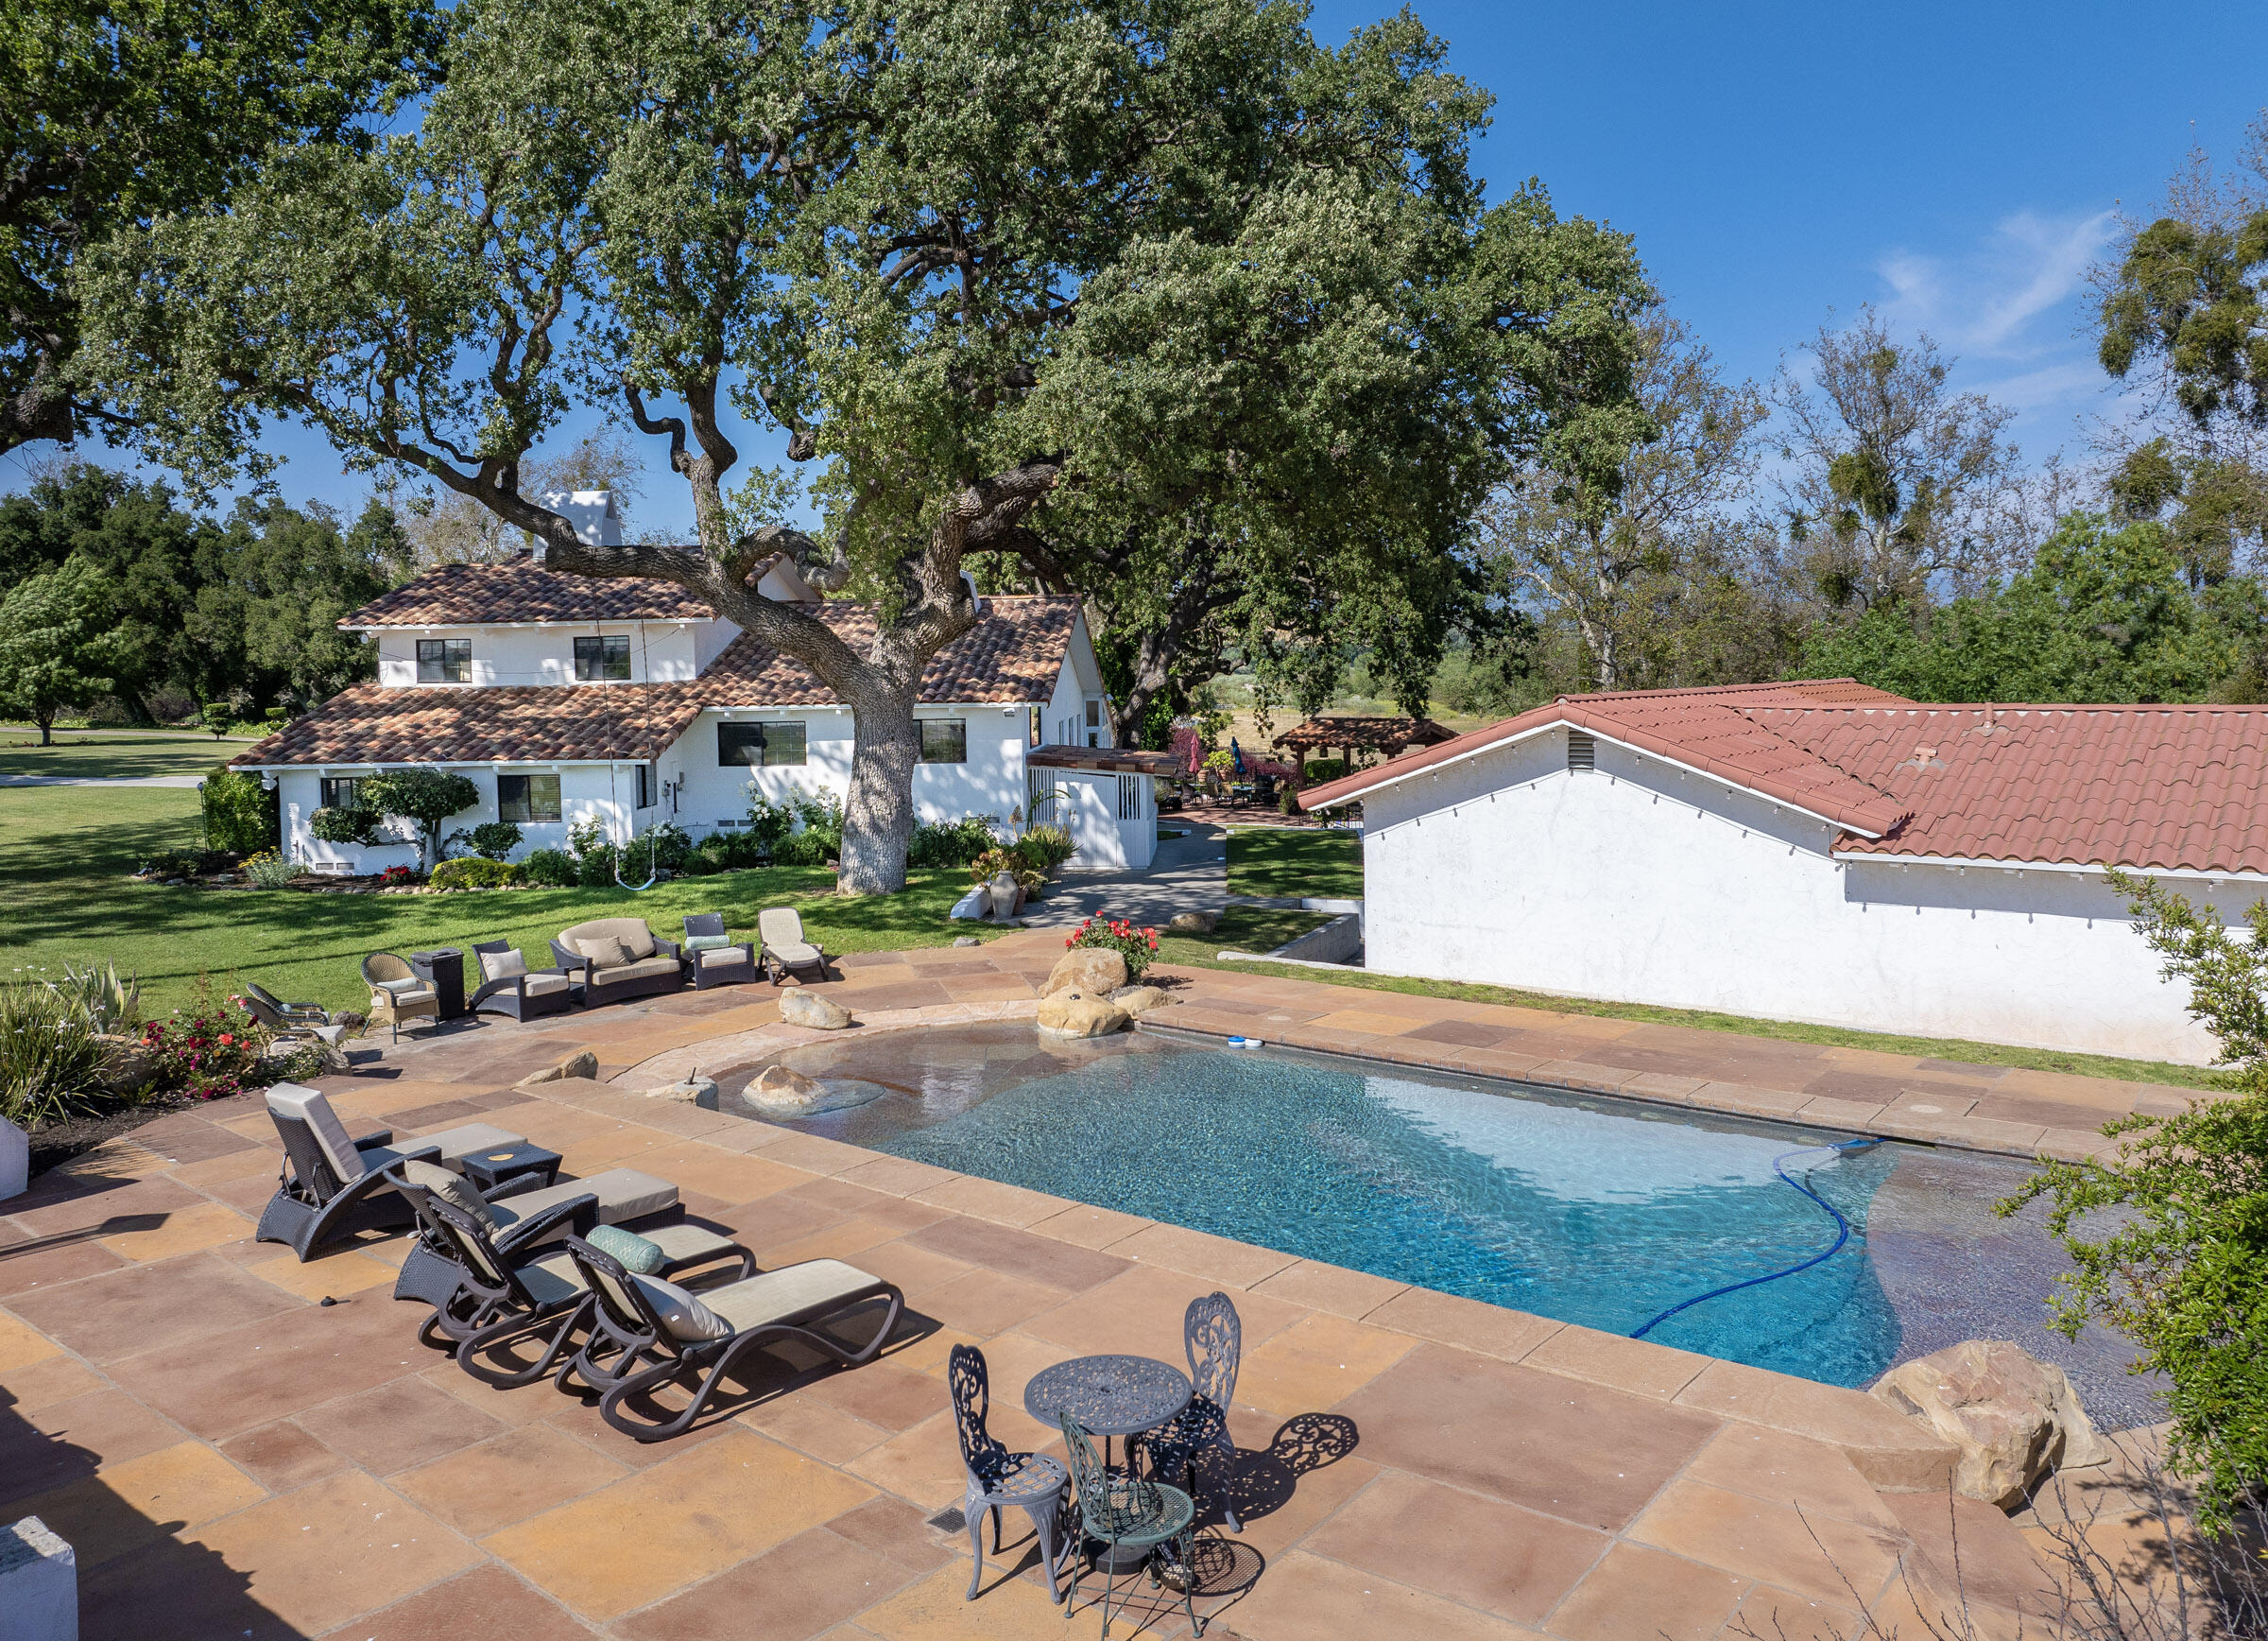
[1581, 752]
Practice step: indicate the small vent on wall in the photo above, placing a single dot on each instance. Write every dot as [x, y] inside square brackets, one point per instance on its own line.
[1581, 751]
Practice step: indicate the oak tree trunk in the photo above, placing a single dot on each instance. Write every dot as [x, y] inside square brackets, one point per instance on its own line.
[878, 815]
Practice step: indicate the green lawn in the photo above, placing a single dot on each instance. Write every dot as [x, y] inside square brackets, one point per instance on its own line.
[111, 756]
[1289, 861]
[65, 896]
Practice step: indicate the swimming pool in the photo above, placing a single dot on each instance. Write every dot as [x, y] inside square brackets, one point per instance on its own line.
[1595, 1211]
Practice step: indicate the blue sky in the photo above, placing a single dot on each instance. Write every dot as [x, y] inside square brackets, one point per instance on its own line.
[1955, 164]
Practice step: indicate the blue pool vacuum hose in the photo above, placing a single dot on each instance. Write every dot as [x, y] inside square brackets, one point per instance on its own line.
[1842, 1235]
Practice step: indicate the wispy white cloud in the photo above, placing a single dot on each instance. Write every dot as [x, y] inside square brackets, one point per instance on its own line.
[2012, 297]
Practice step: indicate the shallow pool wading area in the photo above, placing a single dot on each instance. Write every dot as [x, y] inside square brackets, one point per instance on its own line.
[1809, 1252]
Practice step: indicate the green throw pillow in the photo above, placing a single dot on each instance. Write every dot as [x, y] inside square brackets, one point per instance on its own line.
[633, 1252]
[706, 942]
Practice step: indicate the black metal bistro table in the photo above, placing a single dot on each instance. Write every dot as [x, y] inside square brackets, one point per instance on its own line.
[1109, 1396]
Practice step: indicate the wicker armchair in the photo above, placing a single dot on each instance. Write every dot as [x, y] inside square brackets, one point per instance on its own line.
[398, 992]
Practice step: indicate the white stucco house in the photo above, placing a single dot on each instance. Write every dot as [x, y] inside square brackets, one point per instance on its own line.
[564, 696]
[1820, 852]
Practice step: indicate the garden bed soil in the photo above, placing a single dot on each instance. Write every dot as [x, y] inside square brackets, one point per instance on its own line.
[57, 1142]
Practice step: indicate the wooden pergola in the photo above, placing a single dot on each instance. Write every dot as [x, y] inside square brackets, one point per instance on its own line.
[1386, 736]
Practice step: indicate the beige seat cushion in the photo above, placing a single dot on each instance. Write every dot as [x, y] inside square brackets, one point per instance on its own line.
[725, 958]
[543, 985]
[623, 1194]
[631, 931]
[788, 1294]
[556, 1276]
[456, 1145]
[649, 968]
[795, 955]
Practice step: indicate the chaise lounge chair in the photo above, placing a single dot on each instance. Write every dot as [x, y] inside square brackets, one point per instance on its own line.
[637, 1319]
[617, 957]
[296, 1027]
[784, 946]
[516, 1286]
[506, 987]
[714, 959]
[332, 1185]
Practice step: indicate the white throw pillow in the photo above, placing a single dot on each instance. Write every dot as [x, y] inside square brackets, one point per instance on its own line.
[684, 1318]
[502, 965]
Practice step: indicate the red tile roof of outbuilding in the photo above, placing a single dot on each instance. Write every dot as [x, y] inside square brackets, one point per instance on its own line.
[2172, 787]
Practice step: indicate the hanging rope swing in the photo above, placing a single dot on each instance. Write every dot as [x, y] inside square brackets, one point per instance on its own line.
[653, 865]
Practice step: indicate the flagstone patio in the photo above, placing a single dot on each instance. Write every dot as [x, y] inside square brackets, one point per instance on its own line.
[231, 1456]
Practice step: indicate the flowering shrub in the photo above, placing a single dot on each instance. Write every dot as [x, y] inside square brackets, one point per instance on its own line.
[398, 877]
[1138, 947]
[270, 869]
[208, 1051]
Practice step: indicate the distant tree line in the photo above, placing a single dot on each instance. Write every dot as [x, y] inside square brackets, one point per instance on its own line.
[116, 594]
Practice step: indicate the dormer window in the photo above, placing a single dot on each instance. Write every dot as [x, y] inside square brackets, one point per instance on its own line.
[444, 660]
[600, 660]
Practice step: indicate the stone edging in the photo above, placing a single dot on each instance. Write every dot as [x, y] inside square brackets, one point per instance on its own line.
[740, 1049]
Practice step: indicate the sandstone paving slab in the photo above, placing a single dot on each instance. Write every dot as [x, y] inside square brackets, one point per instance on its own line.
[487, 1603]
[1020, 1252]
[1308, 1596]
[1199, 1253]
[1820, 1557]
[480, 1487]
[1523, 1436]
[394, 1425]
[1316, 1364]
[51, 1378]
[1331, 1287]
[991, 1200]
[1634, 1591]
[281, 1456]
[1141, 1312]
[1892, 1452]
[1638, 1366]
[137, 1308]
[931, 1609]
[795, 1589]
[827, 1434]
[66, 1440]
[1452, 1319]
[691, 1517]
[1795, 1471]
[137, 1501]
[28, 1262]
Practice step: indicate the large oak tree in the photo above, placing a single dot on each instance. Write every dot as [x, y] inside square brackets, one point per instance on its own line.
[1027, 276]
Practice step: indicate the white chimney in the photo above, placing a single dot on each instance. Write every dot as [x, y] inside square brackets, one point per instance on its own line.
[591, 512]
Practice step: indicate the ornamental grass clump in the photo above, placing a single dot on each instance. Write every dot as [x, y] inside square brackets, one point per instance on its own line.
[51, 1055]
[1138, 946]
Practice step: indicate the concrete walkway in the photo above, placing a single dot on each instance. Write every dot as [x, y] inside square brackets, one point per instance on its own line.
[102, 780]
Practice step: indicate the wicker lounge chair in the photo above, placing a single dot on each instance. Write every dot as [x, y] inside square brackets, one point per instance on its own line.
[296, 1027]
[332, 1185]
[713, 962]
[707, 1337]
[784, 946]
[507, 986]
[639, 963]
[433, 1271]
[399, 992]
[516, 1289]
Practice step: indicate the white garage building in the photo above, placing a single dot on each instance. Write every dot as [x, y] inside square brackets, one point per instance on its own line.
[632, 703]
[1820, 852]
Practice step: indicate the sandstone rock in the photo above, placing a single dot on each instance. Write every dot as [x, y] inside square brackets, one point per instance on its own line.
[1194, 923]
[693, 1090]
[1091, 969]
[1072, 1012]
[2013, 1419]
[776, 1091]
[582, 1063]
[126, 1066]
[967, 940]
[801, 1006]
[1139, 1000]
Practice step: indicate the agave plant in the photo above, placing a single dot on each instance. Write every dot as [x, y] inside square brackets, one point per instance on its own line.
[97, 994]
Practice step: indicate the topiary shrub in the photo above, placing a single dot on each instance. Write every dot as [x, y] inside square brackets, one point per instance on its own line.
[428, 797]
[475, 872]
[550, 867]
[216, 717]
[493, 839]
[240, 817]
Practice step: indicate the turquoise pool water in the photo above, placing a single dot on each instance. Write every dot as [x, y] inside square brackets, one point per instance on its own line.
[1593, 1211]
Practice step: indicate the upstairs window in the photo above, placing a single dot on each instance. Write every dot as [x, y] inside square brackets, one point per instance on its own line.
[1095, 721]
[343, 793]
[528, 798]
[599, 660]
[944, 741]
[764, 745]
[444, 660]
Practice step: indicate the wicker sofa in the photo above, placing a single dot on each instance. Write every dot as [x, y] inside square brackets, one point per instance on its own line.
[642, 965]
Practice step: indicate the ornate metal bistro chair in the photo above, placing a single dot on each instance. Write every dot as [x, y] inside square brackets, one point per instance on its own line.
[1129, 1512]
[1032, 1482]
[1194, 1444]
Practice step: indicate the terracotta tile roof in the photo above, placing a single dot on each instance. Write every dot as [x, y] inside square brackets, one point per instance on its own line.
[2166, 787]
[522, 590]
[1013, 655]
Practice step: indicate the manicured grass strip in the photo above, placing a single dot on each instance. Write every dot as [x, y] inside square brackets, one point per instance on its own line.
[1243, 928]
[65, 896]
[1707, 1020]
[1290, 862]
[108, 758]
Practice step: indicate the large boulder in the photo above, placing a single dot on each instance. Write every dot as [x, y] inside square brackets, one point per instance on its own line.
[1096, 970]
[128, 1065]
[802, 1005]
[582, 1063]
[1072, 1012]
[1193, 922]
[1139, 1000]
[2015, 1419]
[776, 1091]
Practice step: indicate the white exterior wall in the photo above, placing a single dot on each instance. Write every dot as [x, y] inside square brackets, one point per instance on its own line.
[1063, 723]
[1640, 883]
[609, 792]
[660, 652]
[1087, 807]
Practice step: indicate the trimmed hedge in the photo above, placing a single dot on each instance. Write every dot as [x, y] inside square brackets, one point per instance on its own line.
[475, 872]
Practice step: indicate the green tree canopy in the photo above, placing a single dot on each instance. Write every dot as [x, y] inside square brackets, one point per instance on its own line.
[2104, 615]
[114, 113]
[431, 797]
[1072, 283]
[56, 645]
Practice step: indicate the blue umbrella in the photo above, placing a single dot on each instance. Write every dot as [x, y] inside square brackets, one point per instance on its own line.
[1236, 755]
